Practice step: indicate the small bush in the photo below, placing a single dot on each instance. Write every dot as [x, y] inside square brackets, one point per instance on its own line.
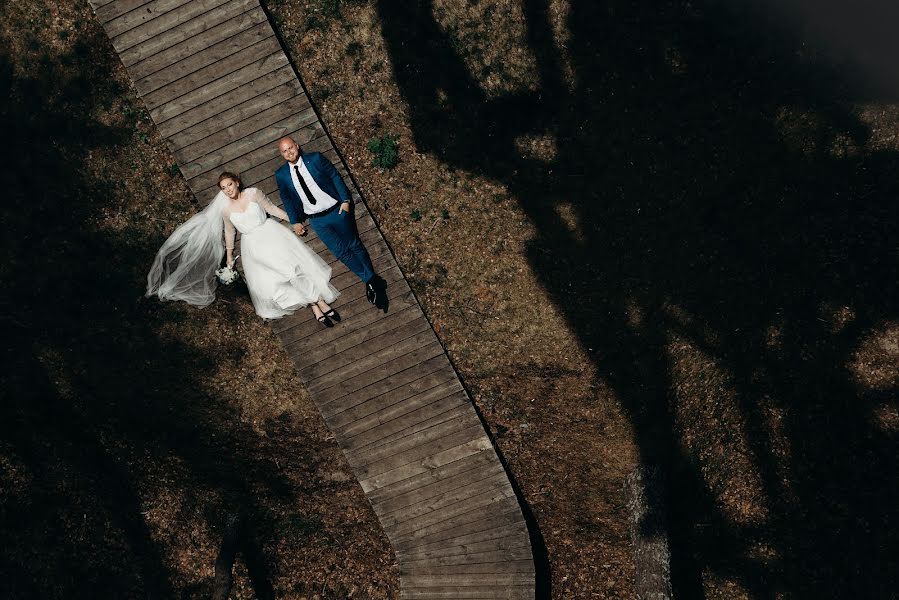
[354, 49]
[321, 93]
[385, 150]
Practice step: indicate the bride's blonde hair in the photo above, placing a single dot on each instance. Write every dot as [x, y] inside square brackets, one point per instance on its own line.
[232, 176]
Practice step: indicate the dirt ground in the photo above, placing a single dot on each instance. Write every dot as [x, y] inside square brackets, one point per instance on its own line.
[660, 234]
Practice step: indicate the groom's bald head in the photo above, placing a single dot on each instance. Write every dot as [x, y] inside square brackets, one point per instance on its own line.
[289, 149]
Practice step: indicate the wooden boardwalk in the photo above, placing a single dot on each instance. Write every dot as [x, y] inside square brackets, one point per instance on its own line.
[221, 91]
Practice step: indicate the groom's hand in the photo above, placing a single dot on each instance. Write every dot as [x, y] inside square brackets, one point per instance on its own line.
[344, 207]
[299, 229]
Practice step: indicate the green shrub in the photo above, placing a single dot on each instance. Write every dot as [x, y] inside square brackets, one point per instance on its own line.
[385, 150]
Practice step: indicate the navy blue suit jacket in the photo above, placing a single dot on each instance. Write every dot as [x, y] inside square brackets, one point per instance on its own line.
[324, 174]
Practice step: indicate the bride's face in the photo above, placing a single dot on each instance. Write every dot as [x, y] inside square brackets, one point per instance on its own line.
[229, 187]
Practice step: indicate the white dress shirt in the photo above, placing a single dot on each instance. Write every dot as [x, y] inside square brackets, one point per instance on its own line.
[323, 201]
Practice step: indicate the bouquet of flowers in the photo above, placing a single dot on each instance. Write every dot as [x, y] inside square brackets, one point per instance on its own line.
[228, 274]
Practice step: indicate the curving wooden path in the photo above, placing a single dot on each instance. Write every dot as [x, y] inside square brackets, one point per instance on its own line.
[222, 92]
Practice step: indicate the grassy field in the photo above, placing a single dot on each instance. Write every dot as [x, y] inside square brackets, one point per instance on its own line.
[660, 233]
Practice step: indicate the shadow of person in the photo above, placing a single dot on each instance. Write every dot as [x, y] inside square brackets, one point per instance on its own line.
[382, 298]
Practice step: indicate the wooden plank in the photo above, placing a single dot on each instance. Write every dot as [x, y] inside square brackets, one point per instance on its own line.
[201, 79]
[362, 357]
[422, 336]
[134, 19]
[480, 493]
[219, 124]
[432, 489]
[110, 9]
[403, 413]
[185, 27]
[486, 485]
[304, 123]
[519, 553]
[207, 179]
[157, 27]
[455, 510]
[341, 276]
[348, 284]
[412, 448]
[373, 376]
[477, 483]
[463, 568]
[448, 450]
[444, 408]
[513, 534]
[233, 98]
[396, 389]
[350, 287]
[221, 138]
[473, 529]
[473, 580]
[221, 87]
[192, 53]
[363, 341]
[210, 58]
[501, 513]
[505, 538]
[355, 314]
[398, 372]
[319, 350]
[464, 462]
[505, 592]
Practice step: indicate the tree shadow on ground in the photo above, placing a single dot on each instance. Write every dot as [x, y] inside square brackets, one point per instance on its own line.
[102, 419]
[711, 161]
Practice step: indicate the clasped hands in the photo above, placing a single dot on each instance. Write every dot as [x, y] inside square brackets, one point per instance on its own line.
[300, 229]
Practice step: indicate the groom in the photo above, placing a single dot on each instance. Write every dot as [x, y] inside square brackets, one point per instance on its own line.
[312, 188]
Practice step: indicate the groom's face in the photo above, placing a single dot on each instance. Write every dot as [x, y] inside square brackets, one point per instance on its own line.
[289, 150]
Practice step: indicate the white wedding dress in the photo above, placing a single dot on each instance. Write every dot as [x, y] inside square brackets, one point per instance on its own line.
[281, 272]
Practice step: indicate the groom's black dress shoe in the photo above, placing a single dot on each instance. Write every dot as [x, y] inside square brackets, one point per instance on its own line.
[376, 292]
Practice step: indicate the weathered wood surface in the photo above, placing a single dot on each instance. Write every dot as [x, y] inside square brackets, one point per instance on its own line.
[222, 92]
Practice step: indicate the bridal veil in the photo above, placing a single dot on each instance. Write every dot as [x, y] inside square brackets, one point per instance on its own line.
[184, 268]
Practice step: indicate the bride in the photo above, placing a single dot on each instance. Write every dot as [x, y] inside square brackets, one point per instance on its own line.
[281, 272]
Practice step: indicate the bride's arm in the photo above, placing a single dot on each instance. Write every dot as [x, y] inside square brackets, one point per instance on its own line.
[229, 236]
[269, 207]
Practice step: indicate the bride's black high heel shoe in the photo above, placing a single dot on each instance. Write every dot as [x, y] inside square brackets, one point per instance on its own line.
[332, 314]
[324, 320]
